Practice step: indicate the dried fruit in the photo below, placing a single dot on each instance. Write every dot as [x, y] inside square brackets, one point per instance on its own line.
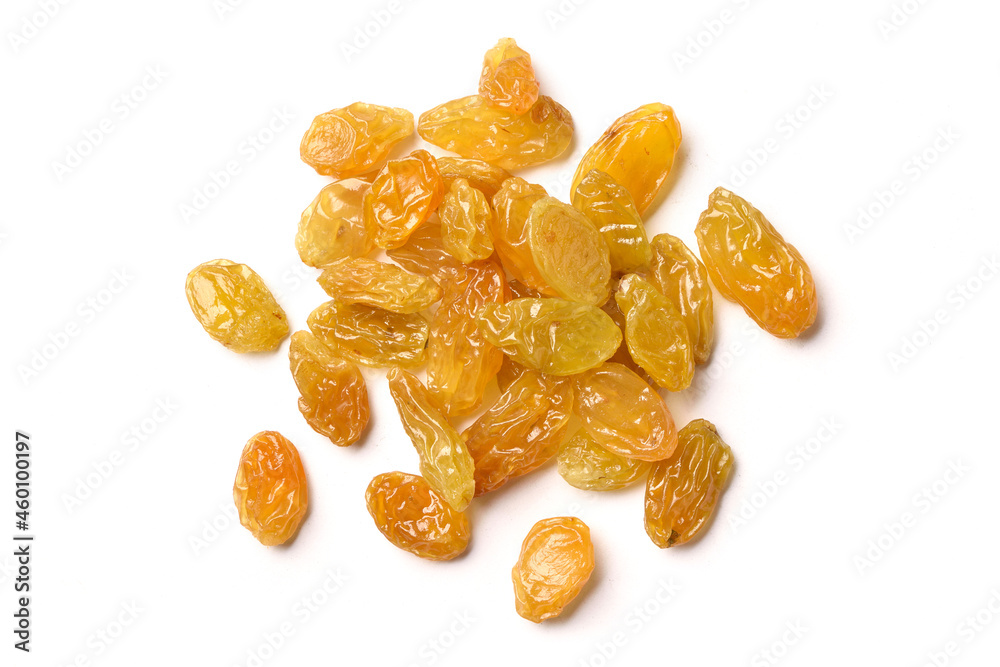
[609, 206]
[678, 274]
[637, 151]
[270, 491]
[624, 414]
[512, 204]
[379, 284]
[682, 491]
[235, 307]
[444, 459]
[521, 431]
[483, 176]
[622, 355]
[521, 291]
[460, 361]
[508, 79]
[568, 252]
[332, 228]
[334, 398]
[656, 334]
[551, 335]
[402, 197]
[415, 518]
[470, 127]
[370, 336]
[586, 465]
[424, 253]
[509, 371]
[752, 264]
[354, 139]
[557, 558]
[466, 218]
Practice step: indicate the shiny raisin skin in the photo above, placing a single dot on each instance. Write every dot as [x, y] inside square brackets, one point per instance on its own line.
[508, 80]
[332, 228]
[483, 176]
[609, 206]
[556, 560]
[270, 492]
[586, 465]
[512, 205]
[366, 281]
[403, 195]
[466, 218]
[355, 139]
[656, 334]
[371, 336]
[679, 275]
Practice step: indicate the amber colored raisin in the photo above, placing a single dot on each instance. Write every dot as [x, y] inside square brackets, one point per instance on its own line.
[466, 218]
[424, 253]
[508, 79]
[512, 205]
[370, 336]
[270, 491]
[622, 355]
[235, 307]
[752, 264]
[656, 334]
[415, 518]
[354, 139]
[483, 176]
[609, 206]
[586, 465]
[373, 283]
[682, 491]
[332, 228]
[682, 278]
[568, 252]
[557, 558]
[403, 195]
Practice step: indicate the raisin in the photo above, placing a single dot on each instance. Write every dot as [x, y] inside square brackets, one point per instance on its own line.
[379, 284]
[637, 151]
[752, 264]
[473, 129]
[509, 371]
[551, 335]
[444, 459]
[270, 490]
[403, 195]
[513, 204]
[624, 414]
[483, 176]
[609, 206]
[682, 491]
[370, 336]
[586, 465]
[568, 252]
[656, 334]
[332, 228]
[235, 307]
[415, 518]
[424, 253]
[349, 141]
[466, 217]
[334, 398]
[521, 431]
[557, 558]
[678, 274]
[622, 355]
[508, 79]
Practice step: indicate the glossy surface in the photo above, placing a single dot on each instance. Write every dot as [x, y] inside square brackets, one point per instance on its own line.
[569, 253]
[416, 518]
[512, 205]
[551, 335]
[624, 414]
[332, 227]
[637, 151]
[424, 253]
[508, 79]
[333, 395]
[679, 275]
[235, 307]
[444, 459]
[483, 176]
[557, 558]
[682, 491]
[370, 336]
[521, 431]
[470, 127]
[354, 139]
[380, 284]
[466, 219]
[609, 206]
[656, 334]
[586, 465]
[270, 492]
[403, 195]
[622, 355]
[750, 263]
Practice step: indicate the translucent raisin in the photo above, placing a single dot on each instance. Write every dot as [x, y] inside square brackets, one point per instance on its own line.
[609, 206]
[483, 176]
[332, 227]
[349, 141]
[424, 253]
[656, 333]
[370, 336]
[508, 79]
[466, 218]
[682, 278]
[557, 558]
[403, 195]
[512, 204]
[387, 286]
[586, 465]
[270, 491]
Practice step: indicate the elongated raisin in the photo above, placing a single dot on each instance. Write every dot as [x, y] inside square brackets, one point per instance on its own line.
[373, 283]
[466, 218]
[270, 490]
[371, 336]
[609, 206]
[678, 274]
[586, 465]
[512, 204]
[656, 334]
[483, 176]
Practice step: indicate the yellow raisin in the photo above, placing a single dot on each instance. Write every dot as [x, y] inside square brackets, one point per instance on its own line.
[622, 355]
[568, 252]
[678, 274]
[608, 205]
[586, 465]
[513, 203]
[483, 176]
[332, 227]
[370, 336]
[349, 141]
[270, 491]
[557, 558]
[682, 491]
[752, 264]
[373, 283]
[403, 195]
[508, 79]
[466, 217]
[424, 253]
[509, 371]
[656, 334]
[235, 307]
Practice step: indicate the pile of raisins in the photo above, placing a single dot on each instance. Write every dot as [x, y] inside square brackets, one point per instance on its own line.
[569, 307]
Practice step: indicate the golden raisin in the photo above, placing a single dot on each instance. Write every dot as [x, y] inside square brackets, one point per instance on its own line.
[332, 227]
[656, 334]
[512, 204]
[483, 176]
[568, 252]
[466, 217]
[270, 490]
[609, 206]
[424, 253]
[586, 465]
[508, 79]
[379, 284]
[403, 195]
[349, 141]
[370, 336]
[678, 274]
[557, 558]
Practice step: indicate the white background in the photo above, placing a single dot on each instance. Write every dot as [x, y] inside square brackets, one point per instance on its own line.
[792, 540]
